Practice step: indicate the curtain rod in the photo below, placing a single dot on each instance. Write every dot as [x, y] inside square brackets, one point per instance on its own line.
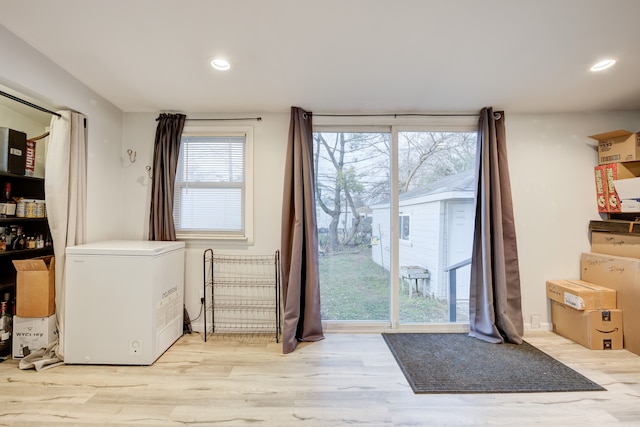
[22, 101]
[396, 115]
[214, 120]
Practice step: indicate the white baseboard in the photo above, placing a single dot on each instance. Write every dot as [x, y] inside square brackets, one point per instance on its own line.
[544, 326]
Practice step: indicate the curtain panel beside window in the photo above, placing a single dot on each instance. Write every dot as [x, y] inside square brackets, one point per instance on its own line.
[495, 312]
[165, 161]
[299, 244]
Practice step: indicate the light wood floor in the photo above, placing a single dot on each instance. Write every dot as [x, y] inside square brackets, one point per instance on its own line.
[344, 380]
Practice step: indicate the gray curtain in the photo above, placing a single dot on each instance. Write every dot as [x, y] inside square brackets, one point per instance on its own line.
[495, 313]
[299, 244]
[165, 161]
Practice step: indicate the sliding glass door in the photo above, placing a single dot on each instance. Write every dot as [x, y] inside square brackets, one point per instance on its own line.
[395, 223]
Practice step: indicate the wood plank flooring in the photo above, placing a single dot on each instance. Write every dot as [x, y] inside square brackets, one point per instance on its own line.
[344, 380]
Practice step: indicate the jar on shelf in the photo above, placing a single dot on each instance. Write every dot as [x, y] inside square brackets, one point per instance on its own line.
[21, 208]
[30, 209]
[39, 208]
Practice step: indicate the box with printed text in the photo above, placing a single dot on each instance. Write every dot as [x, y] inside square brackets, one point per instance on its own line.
[619, 244]
[581, 295]
[32, 333]
[594, 329]
[623, 275]
[628, 193]
[617, 146]
[601, 187]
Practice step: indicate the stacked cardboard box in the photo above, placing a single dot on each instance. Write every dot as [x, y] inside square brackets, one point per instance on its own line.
[619, 244]
[617, 175]
[32, 333]
[621, 274]
[614, 261]
[617, 146]
[586, 313]
[35, 287]
[34, 324]
[617, 187]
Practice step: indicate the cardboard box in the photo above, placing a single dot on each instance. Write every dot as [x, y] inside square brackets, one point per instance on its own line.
[32, 333]
[30, 158]
[581, 295]
[610, 175]
[623, 275]
[605, 176]
[628, 192]
[617, 146]
[594, 329]
[601, 188]
[619, 244]
[35, 287]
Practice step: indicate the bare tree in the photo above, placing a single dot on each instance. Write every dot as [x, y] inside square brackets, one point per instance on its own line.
[339, 190]
[353, 170]
[428, 156]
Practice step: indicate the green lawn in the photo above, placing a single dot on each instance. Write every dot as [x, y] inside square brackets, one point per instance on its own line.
[353, 287]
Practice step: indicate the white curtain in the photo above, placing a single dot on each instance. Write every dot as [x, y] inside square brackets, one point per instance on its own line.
[65, 197]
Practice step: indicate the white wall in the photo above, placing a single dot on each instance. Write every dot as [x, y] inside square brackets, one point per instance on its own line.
[551, 160]
[551, 166]
[270, 143]
[26, 70]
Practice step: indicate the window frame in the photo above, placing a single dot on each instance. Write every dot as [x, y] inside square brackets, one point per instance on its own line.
[394, 125]
[247, 234]
[401, 226]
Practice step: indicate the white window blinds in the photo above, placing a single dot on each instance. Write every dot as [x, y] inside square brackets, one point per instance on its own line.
[210, 184]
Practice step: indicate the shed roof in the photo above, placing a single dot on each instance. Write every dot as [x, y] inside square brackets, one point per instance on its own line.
[463, 181]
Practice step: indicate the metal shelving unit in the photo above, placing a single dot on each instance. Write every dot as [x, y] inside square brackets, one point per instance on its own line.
[241, 294]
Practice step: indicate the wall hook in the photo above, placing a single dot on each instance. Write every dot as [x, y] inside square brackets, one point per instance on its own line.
[132, 155]
[148, 168]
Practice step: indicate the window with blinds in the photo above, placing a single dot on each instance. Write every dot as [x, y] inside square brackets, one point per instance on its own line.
[210, 187]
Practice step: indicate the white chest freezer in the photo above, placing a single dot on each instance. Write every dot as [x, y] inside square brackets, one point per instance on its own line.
[123, 301]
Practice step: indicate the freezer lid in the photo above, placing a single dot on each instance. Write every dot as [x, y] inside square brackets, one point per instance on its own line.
[125, 247]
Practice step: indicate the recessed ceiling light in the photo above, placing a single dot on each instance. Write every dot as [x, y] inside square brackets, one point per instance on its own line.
[603, 65]
[220, 64]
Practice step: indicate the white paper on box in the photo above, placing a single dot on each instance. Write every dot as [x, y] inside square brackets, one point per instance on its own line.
[629, 205]
[627, 188]
[573, 301]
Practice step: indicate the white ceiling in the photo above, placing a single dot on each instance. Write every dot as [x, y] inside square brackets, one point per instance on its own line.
[342, 56]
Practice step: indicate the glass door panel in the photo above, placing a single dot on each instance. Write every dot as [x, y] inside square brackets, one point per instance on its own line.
[436, 213]
[352, 199]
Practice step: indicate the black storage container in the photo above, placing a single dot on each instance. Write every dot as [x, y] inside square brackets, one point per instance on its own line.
[13, 151]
